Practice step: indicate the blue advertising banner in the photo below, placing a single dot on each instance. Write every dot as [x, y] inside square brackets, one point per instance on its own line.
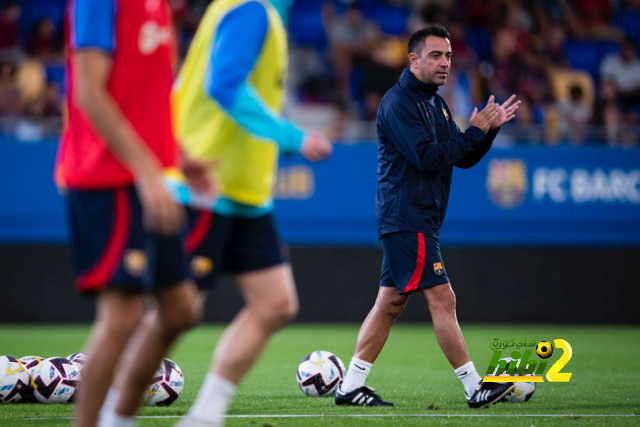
[529, 196]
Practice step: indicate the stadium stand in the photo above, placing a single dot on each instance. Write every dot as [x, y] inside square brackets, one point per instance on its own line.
[346, 54]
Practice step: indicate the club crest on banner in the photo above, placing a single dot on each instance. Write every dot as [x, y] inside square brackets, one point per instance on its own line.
[507, 182]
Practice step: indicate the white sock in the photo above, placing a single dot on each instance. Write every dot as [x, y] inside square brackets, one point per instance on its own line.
[213, 399]
[110, 402]
[108, 416]
[469, 377]
[356, 375]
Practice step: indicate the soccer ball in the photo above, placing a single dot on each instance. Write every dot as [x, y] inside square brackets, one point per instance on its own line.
[78, 360]
[544, 349]
[14, 380]
[320, 373]
[55, 380]
[166, 385]
[523, 391]
[29, 363]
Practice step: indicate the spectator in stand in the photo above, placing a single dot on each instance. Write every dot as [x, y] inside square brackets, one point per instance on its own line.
[595, 17]
[42, 40]
[622, 69]
[379, 75]
[530, 117]
[9, 27]
[506, 63]
[52, 100]
[555, 37]
[613, 126]
[10, 96]
[477, 13]
[607, 114]
[574, 115]
[352, 38]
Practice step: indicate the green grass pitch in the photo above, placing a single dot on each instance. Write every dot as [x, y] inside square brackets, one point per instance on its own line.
[412, 372]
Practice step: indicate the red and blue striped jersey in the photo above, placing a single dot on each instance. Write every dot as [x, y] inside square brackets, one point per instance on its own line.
[139, 36]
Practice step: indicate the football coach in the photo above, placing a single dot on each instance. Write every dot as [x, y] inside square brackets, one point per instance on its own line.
[419, 144]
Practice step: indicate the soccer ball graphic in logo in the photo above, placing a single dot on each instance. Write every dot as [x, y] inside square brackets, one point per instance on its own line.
[78, 359]
[544, 349]
[14, 380]
[166, 385]
[524, 390]
[319, 374]
[55, 380]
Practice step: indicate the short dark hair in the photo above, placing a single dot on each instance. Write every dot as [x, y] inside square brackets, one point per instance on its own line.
[416, 42]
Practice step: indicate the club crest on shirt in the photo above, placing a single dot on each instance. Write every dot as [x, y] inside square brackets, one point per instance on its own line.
[201, 266]
[438, 268]
[446, 115]
[135, 262]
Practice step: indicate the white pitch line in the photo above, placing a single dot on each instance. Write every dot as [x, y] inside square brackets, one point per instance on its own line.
[153, 417]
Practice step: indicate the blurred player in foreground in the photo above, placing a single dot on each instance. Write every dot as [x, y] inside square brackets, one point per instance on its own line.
[227, 102]
[124, 223]
[419, 144]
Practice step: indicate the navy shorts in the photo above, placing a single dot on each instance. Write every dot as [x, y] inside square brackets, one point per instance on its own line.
[110, 249]
[223, 244]
[412, 261]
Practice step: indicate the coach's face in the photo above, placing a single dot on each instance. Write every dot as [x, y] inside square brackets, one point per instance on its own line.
[434, 62]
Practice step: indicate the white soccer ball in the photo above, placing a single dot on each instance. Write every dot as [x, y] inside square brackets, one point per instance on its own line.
[30, 362]
[524, 390]
[320, 373]
[166, 385]
[14, 380]
[78, 359]
[55, 380]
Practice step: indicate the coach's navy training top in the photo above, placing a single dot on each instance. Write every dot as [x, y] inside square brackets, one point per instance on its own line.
[418, 145]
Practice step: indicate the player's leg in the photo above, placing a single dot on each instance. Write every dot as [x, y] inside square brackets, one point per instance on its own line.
[254, 254]
[375, 329]
[161, 267]
[374, 332]
[100, 224]
[178, 309]
[442, 306]
[373, 336]
[271, 301]
[117, 317]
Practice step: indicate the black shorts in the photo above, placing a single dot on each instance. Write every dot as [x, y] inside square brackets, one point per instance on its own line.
[110, 248]
[412, 261]
[223, 244]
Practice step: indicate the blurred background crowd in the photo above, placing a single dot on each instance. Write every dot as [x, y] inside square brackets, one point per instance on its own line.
[574, 64]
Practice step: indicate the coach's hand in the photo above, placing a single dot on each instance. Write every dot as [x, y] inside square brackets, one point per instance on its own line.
[160, 213]
[316, 147]
[506, 111]
[484, 118]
